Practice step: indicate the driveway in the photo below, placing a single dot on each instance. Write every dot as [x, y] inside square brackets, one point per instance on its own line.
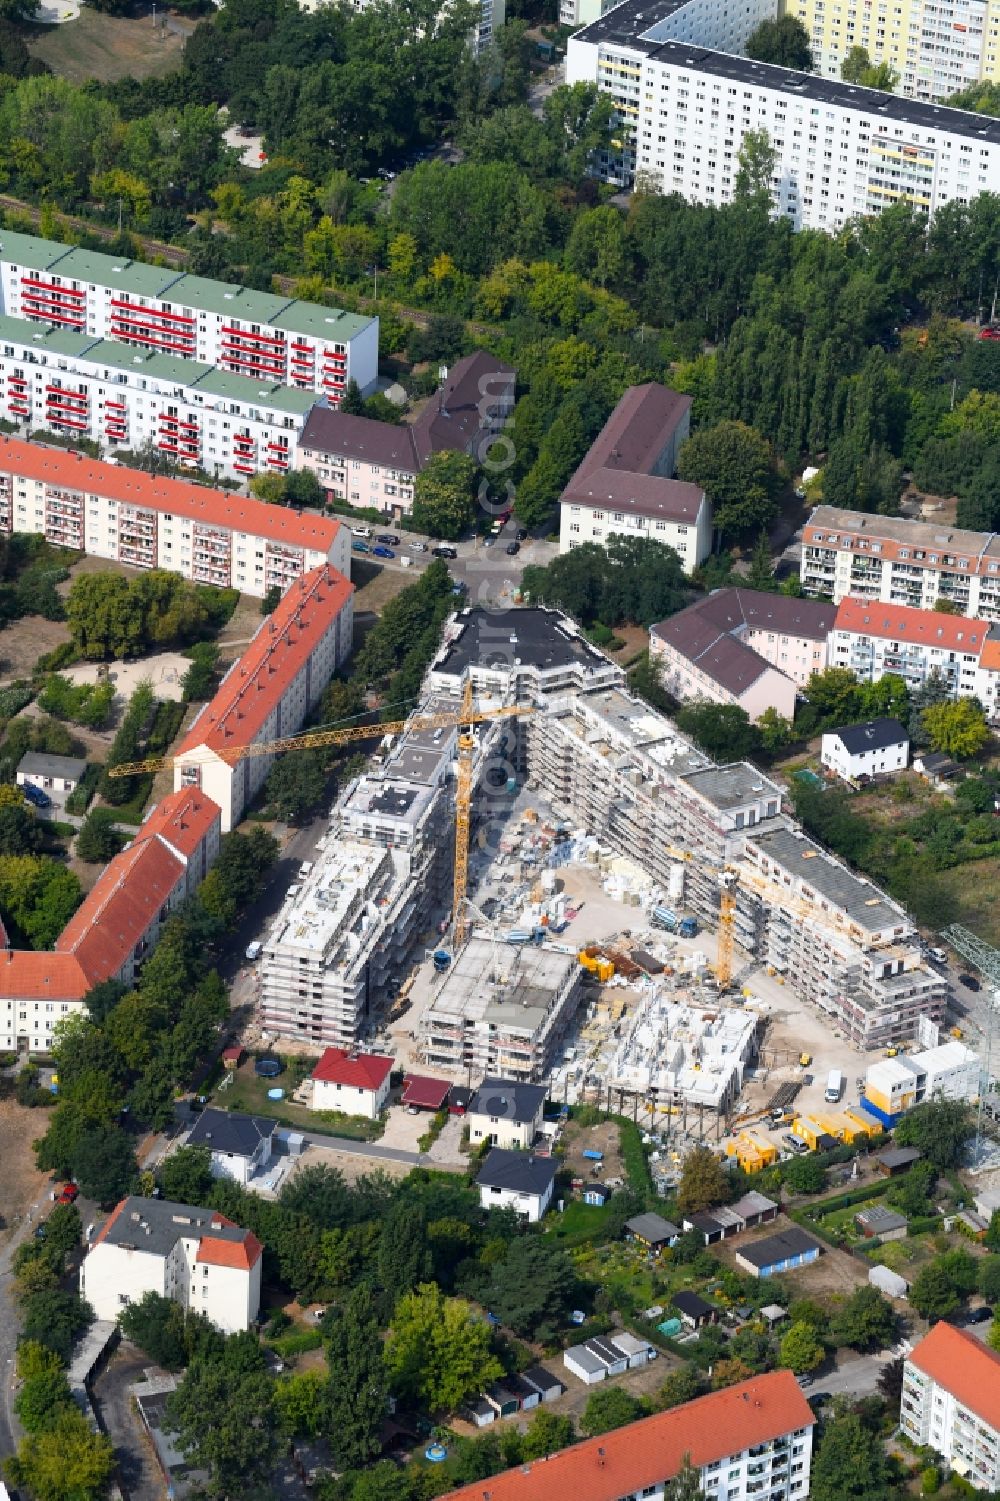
[139, 1473]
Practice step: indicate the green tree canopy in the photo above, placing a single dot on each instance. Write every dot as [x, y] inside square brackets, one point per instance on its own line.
[444, 494]
[438, 1350]
[959, 729]
[704, 1182]
[610, 1407]
[800, 1349]
[733, 465]
[864, 1321]
[849, 1463]
[225, 1417]
[723, 731]
[784, 42]
[939, 1129]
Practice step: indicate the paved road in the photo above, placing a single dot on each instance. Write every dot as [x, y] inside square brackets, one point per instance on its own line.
[489, 574]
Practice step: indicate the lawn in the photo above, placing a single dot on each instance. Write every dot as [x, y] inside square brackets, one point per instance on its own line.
[249, 1093]
[975, 888]
[108, 47]
[579, 1218]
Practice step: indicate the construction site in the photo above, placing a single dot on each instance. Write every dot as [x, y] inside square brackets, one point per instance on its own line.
[539, 876]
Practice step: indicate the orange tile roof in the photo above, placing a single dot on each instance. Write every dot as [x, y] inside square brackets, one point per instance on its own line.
[241, 1255]
[35, 977]
[990, 654]
[122, 907]
[650, 1451]
[906, 623]
[173, 496]
[361, 1070]
[184, 819]
[964, 1366]
[271, 662]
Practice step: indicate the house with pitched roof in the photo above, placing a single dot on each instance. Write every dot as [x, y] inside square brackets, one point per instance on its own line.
[196, 1257]
[267, 694]
[353, 1082]
[951, 1402]
[240, 1146]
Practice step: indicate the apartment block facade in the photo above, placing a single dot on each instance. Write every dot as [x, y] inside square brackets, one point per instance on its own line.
[206, 535]
[951, 1403]
[937, 47]
[683, 111]
[749, 1442]
[898, 562]
[267, 694]
[261, 335]
[199, 416]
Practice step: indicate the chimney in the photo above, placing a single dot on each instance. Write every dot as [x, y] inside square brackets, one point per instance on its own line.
[600, 1456]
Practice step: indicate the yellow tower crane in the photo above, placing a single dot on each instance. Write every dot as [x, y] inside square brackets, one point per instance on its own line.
[729, 880]
[465, 718]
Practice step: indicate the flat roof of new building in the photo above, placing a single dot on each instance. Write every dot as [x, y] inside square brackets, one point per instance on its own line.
[732, 785]
[30, 251]
[119, 272]
[521, 999]
[863, 903]
[633, 24]
[529, 635]
[49, 338]
[227, 299]
[329, 323]
[332, 902]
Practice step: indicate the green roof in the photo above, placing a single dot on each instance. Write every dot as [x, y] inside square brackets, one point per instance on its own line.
[29, 251]
[320, 322]
[227, 299]
[171, 367]
[245, 388]
[45, 336]
[120, 274]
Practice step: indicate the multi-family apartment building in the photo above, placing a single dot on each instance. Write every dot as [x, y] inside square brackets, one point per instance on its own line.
[198, 415]
[873, 639]
[196, 1257]
[751, 1440]
[685, 101]
[345, 933]
[36, 991]
[370, 463]
[899, 562]
[208, 536]
[267, 694]
[520, 656]
[936, 47]
[743, 647]
[951, 1403]
[263, 335]
[624, 484]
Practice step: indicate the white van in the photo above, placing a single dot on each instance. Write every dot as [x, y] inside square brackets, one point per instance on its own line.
[254, 950]
[834, 1087]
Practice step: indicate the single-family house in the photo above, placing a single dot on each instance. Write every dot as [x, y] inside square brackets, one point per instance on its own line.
[694, 1310]
[506, 1113]
[353, 1082]
[240, 1145]
[878, 748]
[516, 1180]
[778, 1253]
[651, 1231]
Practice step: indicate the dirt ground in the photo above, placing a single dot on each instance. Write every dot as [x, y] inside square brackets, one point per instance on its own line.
[241, 627]
[109, 47]
[353, 1165]
[24, 641]
[20, 1181]
[165, 670]
[599, 1138]
[834, 1272]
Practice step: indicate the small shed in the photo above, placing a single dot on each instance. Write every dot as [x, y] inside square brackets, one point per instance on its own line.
[651, 1231]
[783, 1252]
[773, 1313]
[888, 1282]
[639, 1351]
[596, 1193]
[232, 1057]
[694, 1311]
[594, 1360]
[877, 1220]
[896, 1160]
[547, 1385]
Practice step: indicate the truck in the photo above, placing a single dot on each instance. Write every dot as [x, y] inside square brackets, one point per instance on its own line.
[665, 917]
[834, 1087]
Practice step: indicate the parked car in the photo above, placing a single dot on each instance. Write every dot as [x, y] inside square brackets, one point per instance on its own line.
[254, 950]
[522, 534]
[938, 956]
[383, 552]
[36, 795]
[980, 1315]
[417, 546]
[360, 547]
[445, 552]
[512, 549]
[970, 982]
[388, 538]
[361, 531]
[68, 1193]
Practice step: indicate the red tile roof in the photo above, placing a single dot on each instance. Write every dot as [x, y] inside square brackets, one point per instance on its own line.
[638, 430]
[645, 1453]
[965, 1367]
[184, 819]
[905, 623]
[362, 1070]
[420, 1089]
[36, 977]
[990, 655]
[241, 1255]
[248, 695]
[122, 907]
[173, 496]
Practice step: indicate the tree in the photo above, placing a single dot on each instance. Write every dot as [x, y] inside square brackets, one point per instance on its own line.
[301, 1399]
[67, 1461]
[19, 831]
[156, 1325]
[959, 728]
[890, 1381]
[269, 602]
[356, 1396]
[681, 1385]
[723, 731]
[56, 1319]
[784, 42]
[988, 1282]
[760, 574]
[685, 1485]
[547, 1432]
[775, 731]
[533, 1287]
[296, 784]
[800, 1350]
[732, 463]
[44, 1390]
[98, 840]
[444, 494]
[939, 1129]
[804, 1175]
[270, 488]
[728, 1372]
[704, 1182]
[857, 67]
[438, 1351]
[225, 1417]
[352, 402]
[186, 1175]
[610, 1407]
[866, 1321]
[104, 1164]
[850, 1463]
[757, 161]
[933, 1292]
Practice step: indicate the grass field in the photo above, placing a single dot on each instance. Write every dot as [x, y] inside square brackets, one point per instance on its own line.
[107, 47]
[976, 889]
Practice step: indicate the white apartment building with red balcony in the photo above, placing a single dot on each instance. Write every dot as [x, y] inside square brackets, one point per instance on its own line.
[202, 417]
[262, 335]
[208, 536]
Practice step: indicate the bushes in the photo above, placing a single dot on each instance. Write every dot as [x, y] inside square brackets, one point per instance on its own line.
[299, 1342]
[79, 799]
[84, 703]
[125, 747]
